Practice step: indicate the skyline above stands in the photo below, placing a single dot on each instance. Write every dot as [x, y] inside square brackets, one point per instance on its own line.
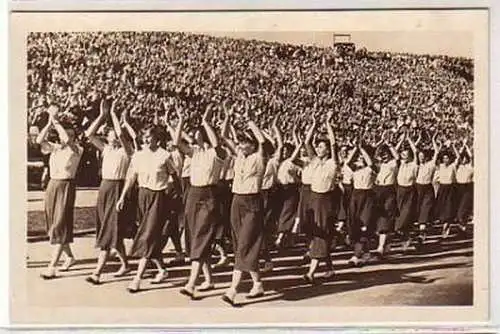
[450, 43]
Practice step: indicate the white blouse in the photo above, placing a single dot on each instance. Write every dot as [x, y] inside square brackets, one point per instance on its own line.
[288, 173]
[177, 161]
[407, 174]
[115, 163]
[465, 174]
[324, 176]
[248, 173]
[308, 172]
[205, 167]
[346, 174]
[271, 173]
[447, 174]
[227, 170]
[387, 173]
[151, 168]
[363, 178]
[63, 161]
[426, 172]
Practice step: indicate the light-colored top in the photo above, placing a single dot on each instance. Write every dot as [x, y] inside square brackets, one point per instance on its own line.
[346, 174]
[324, 176]
[151, 168]
[186, 167]
[271, 173]
[465, 174]
[205, 167]
[248, 173]
[63, 161]
[363, 178]
[308, 172]
[115, 163]
[447, 174]
[426, 172]
[177, 161]
[288, 173]
[227, 170]
[387, 173]
[407, 173]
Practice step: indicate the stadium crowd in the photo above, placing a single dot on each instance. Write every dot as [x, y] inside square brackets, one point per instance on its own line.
[248, 142]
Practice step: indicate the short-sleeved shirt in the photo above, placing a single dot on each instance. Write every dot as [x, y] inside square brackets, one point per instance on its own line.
[288, 173]
[115, 163]
[426, 172]
[205, 167]
[308, 172]
[248, 173]
[465, 174]
[407, 173]
[346, 174]
[151, 168]
[271, 173]
[387, 173]
[447, 174]
[324, 175]
[363, 178]
[63, 161]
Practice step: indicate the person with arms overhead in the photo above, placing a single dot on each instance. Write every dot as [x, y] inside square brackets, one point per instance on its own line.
[110, 224]
[61, 190]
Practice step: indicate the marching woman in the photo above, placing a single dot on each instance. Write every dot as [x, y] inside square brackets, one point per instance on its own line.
[324, 203]
[446, 196]
[247, 223]
[465, 187]
[304, 209]
[406, 195]
[270, 194]
[201, 209]
[362, 205]
[224, 194]
[60, 194]
[288, 179]
[116, 152]
[345, 186]
[151, 167]
[385, 194]
[425, 191]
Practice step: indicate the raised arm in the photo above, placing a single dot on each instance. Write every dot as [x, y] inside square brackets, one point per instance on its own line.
[457, 154]
[366, 156]
[279, 138]
[296, 152]
[467, 149]
[185, 149]
[400, 142]
[394, 152]
[212, 137]
[258, 135]
[92, 129]
[307, 141]
[331, 136]
[350, 156]
[118, 130]
[436, 148]
[413, 148]
[42, 136]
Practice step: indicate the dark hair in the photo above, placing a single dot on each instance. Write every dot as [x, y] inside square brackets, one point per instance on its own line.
[203, 133]
[268, 148]
[326, 142]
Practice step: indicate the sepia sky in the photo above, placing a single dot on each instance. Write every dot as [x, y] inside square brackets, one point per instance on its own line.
[452, 43]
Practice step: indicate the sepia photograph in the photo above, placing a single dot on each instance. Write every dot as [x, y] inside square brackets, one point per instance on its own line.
[250, 167]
